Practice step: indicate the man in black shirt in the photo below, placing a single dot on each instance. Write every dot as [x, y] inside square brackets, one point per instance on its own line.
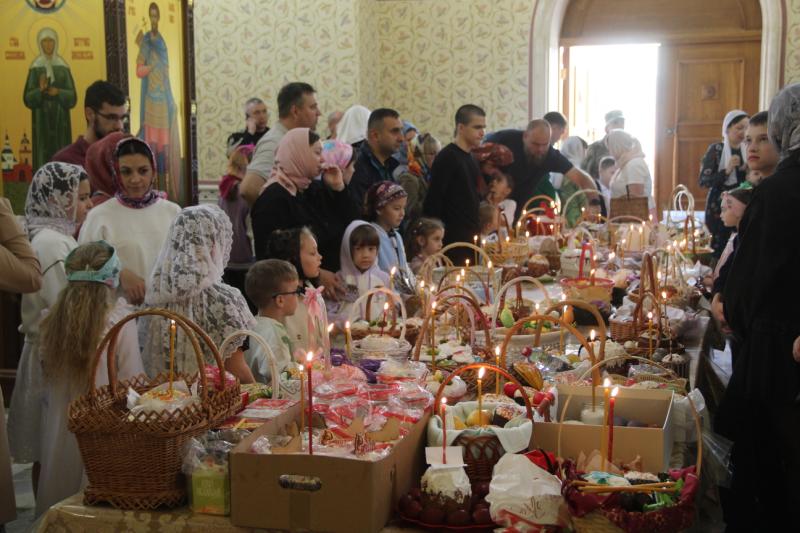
[256, 118]
[534, 159]
[375, 161]
[453, 196]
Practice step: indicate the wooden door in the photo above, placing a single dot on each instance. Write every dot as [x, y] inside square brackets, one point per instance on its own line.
[698, 84]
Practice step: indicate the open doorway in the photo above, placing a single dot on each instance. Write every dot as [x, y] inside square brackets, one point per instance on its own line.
[606, 77]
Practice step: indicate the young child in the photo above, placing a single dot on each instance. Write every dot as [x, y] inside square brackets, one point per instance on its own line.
[359, 261]
[84, 311]
[500, 189]
[385, 208]
[424, 237]
[606, 168]
[235, 206]
[274, 287]
[489, 220]
[187, 280]
[298, 246]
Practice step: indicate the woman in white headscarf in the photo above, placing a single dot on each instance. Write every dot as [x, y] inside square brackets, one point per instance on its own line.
[632, 177]
[760, 411]
[352, 129]
[49, 94]
[723, 168]
[187, 279]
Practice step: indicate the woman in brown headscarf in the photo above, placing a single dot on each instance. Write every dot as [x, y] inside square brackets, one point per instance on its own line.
[100, 167]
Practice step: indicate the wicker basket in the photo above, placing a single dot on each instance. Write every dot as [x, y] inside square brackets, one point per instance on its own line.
[481, 450]
[404, 347]
[134, 462]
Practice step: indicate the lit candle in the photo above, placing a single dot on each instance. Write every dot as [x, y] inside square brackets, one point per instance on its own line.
[630, 237]
[489, 276]
[592, 335]
[650, 334]
[309, 359]
[563, 329]
[622, 254]
[591, 280]
[538, 228]
[392, 272]
[603, 441]
[383, 322]
[483, 247]
[444, 430]
[611, 257]
[348, 339]
[527, 234]
[481, 372]
[475, 243]
[497, 362]
[612, 400]
[172, 334]
[302, 400]
[328, 346]
[433, 335]
[519, 226]
[466, 262]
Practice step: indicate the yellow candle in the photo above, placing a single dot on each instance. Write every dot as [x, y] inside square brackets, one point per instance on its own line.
[433, 335]
[172, 333]
[650, 334]
[480, 394]
[497, 362]
[475, 252]
[466, 262]
[489, 276]
[603, 433]
[483, 245]
[563, 329]
[347, 339]
[392, 272]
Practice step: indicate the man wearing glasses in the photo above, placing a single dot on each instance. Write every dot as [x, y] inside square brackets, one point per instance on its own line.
[106, 111]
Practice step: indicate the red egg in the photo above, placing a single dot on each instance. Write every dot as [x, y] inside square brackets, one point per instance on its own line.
[527, 351]
[405, 502]
[416, 493]
[458, 518]
[482, 516]
[413, 510]
[432, 515]
[538, 396]
[509, 389]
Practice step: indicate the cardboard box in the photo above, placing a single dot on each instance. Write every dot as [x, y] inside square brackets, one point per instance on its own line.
[652, 407]
[342, 495]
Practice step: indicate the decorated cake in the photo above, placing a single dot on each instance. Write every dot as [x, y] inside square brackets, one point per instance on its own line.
[446, 488]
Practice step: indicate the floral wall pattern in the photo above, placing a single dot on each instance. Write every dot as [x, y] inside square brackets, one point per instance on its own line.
[424, 58]
[792, 52]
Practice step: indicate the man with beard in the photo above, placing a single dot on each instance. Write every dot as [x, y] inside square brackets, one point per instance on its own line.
[106, 111]
[534, 159]
[375, 161]
[256, 119]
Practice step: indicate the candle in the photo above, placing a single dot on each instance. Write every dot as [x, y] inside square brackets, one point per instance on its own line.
[591, 279]
[603, 442]
[433, 335]
[444, 430]
[538, 227]
[309, 359]
[489, 276]
[328, 346]
[302, 400]
[422, 304]
[497, 362]
[475, 243]
[622, 254]
[481, 372]
[383, 322]
[483, 247]
[611, 257]
[519, 225]
[650, 334]
[563, 329]
[466, 262]
[348, 339]
[392, 272]
[172, 333]
[612, 400]
[527, 234]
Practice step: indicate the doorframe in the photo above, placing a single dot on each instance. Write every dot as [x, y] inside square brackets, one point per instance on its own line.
[545, 34]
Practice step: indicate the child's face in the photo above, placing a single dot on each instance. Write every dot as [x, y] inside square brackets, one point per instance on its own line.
[392, 214]
[287, 301]
[761, 153]
[500, 189]
[364, 257]
[433, 243]
[732, 211]
[310, 258]
[606, 173]
[493, 224]
[84, 203]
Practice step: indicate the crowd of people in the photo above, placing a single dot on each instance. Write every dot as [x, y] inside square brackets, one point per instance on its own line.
[363, 208]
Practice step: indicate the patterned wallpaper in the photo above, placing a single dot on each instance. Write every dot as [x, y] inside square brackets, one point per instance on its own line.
[424, 58]
[792, 53]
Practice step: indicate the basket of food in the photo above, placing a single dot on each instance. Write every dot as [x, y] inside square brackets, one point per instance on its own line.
[383, 344]
[131, 433]
[582, 287]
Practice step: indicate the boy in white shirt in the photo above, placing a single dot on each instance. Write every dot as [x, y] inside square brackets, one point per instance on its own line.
[274, 287]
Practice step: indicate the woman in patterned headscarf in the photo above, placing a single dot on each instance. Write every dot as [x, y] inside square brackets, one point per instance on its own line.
[58, 200]
[760, 411]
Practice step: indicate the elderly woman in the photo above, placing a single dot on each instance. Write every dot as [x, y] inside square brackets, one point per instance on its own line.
[760, 411]
[723, 168]
[632, 177]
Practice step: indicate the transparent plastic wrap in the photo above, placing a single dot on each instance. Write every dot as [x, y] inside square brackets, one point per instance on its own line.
[162, 398]
[410, 371]
[717, 468]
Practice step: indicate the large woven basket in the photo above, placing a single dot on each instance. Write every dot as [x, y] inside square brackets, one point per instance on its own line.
[134, 462]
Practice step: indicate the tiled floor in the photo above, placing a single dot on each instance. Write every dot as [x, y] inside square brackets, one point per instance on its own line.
[26, 505]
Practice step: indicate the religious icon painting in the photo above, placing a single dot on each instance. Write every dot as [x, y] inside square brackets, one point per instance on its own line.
[53, 50]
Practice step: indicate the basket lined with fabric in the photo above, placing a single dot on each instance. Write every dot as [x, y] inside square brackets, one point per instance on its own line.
[134, 461]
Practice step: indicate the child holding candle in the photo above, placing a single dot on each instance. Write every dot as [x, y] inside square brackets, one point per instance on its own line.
[385, 207]
[187, 280]
[424, 238]
[274, 287]
[500, 188]
[358, 258]
[489, 220]
[76, 323]
[299, 247]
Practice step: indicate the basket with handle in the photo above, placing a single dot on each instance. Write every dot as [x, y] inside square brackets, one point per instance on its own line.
[361, 349]
[624, 330]
[476, 321]
[134, 461]
[436, 266]
[610, 517]
[519, 308]
[588, 288]
[581, 193]
[482, 449]
[233, 340]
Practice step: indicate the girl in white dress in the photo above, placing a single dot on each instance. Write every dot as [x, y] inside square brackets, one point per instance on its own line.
[58, 200]
[70, 333]
[136, 220]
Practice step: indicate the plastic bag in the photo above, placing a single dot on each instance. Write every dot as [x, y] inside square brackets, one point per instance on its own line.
[683, 422]
[717, 468]
[524, 496]
[160, 399]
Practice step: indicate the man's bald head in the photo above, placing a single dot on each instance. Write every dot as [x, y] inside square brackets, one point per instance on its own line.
[536, 140]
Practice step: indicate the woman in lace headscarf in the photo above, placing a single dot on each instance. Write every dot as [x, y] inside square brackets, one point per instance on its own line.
[187, 279]
[760, 410]
[723, 168]
[57, 203]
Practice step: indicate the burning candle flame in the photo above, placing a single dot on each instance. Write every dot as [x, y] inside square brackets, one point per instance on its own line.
[614, 392]
[481, 372]
[606, 383]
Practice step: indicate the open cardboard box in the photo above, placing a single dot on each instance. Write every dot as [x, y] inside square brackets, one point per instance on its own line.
[321, 493]
[652, 407]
